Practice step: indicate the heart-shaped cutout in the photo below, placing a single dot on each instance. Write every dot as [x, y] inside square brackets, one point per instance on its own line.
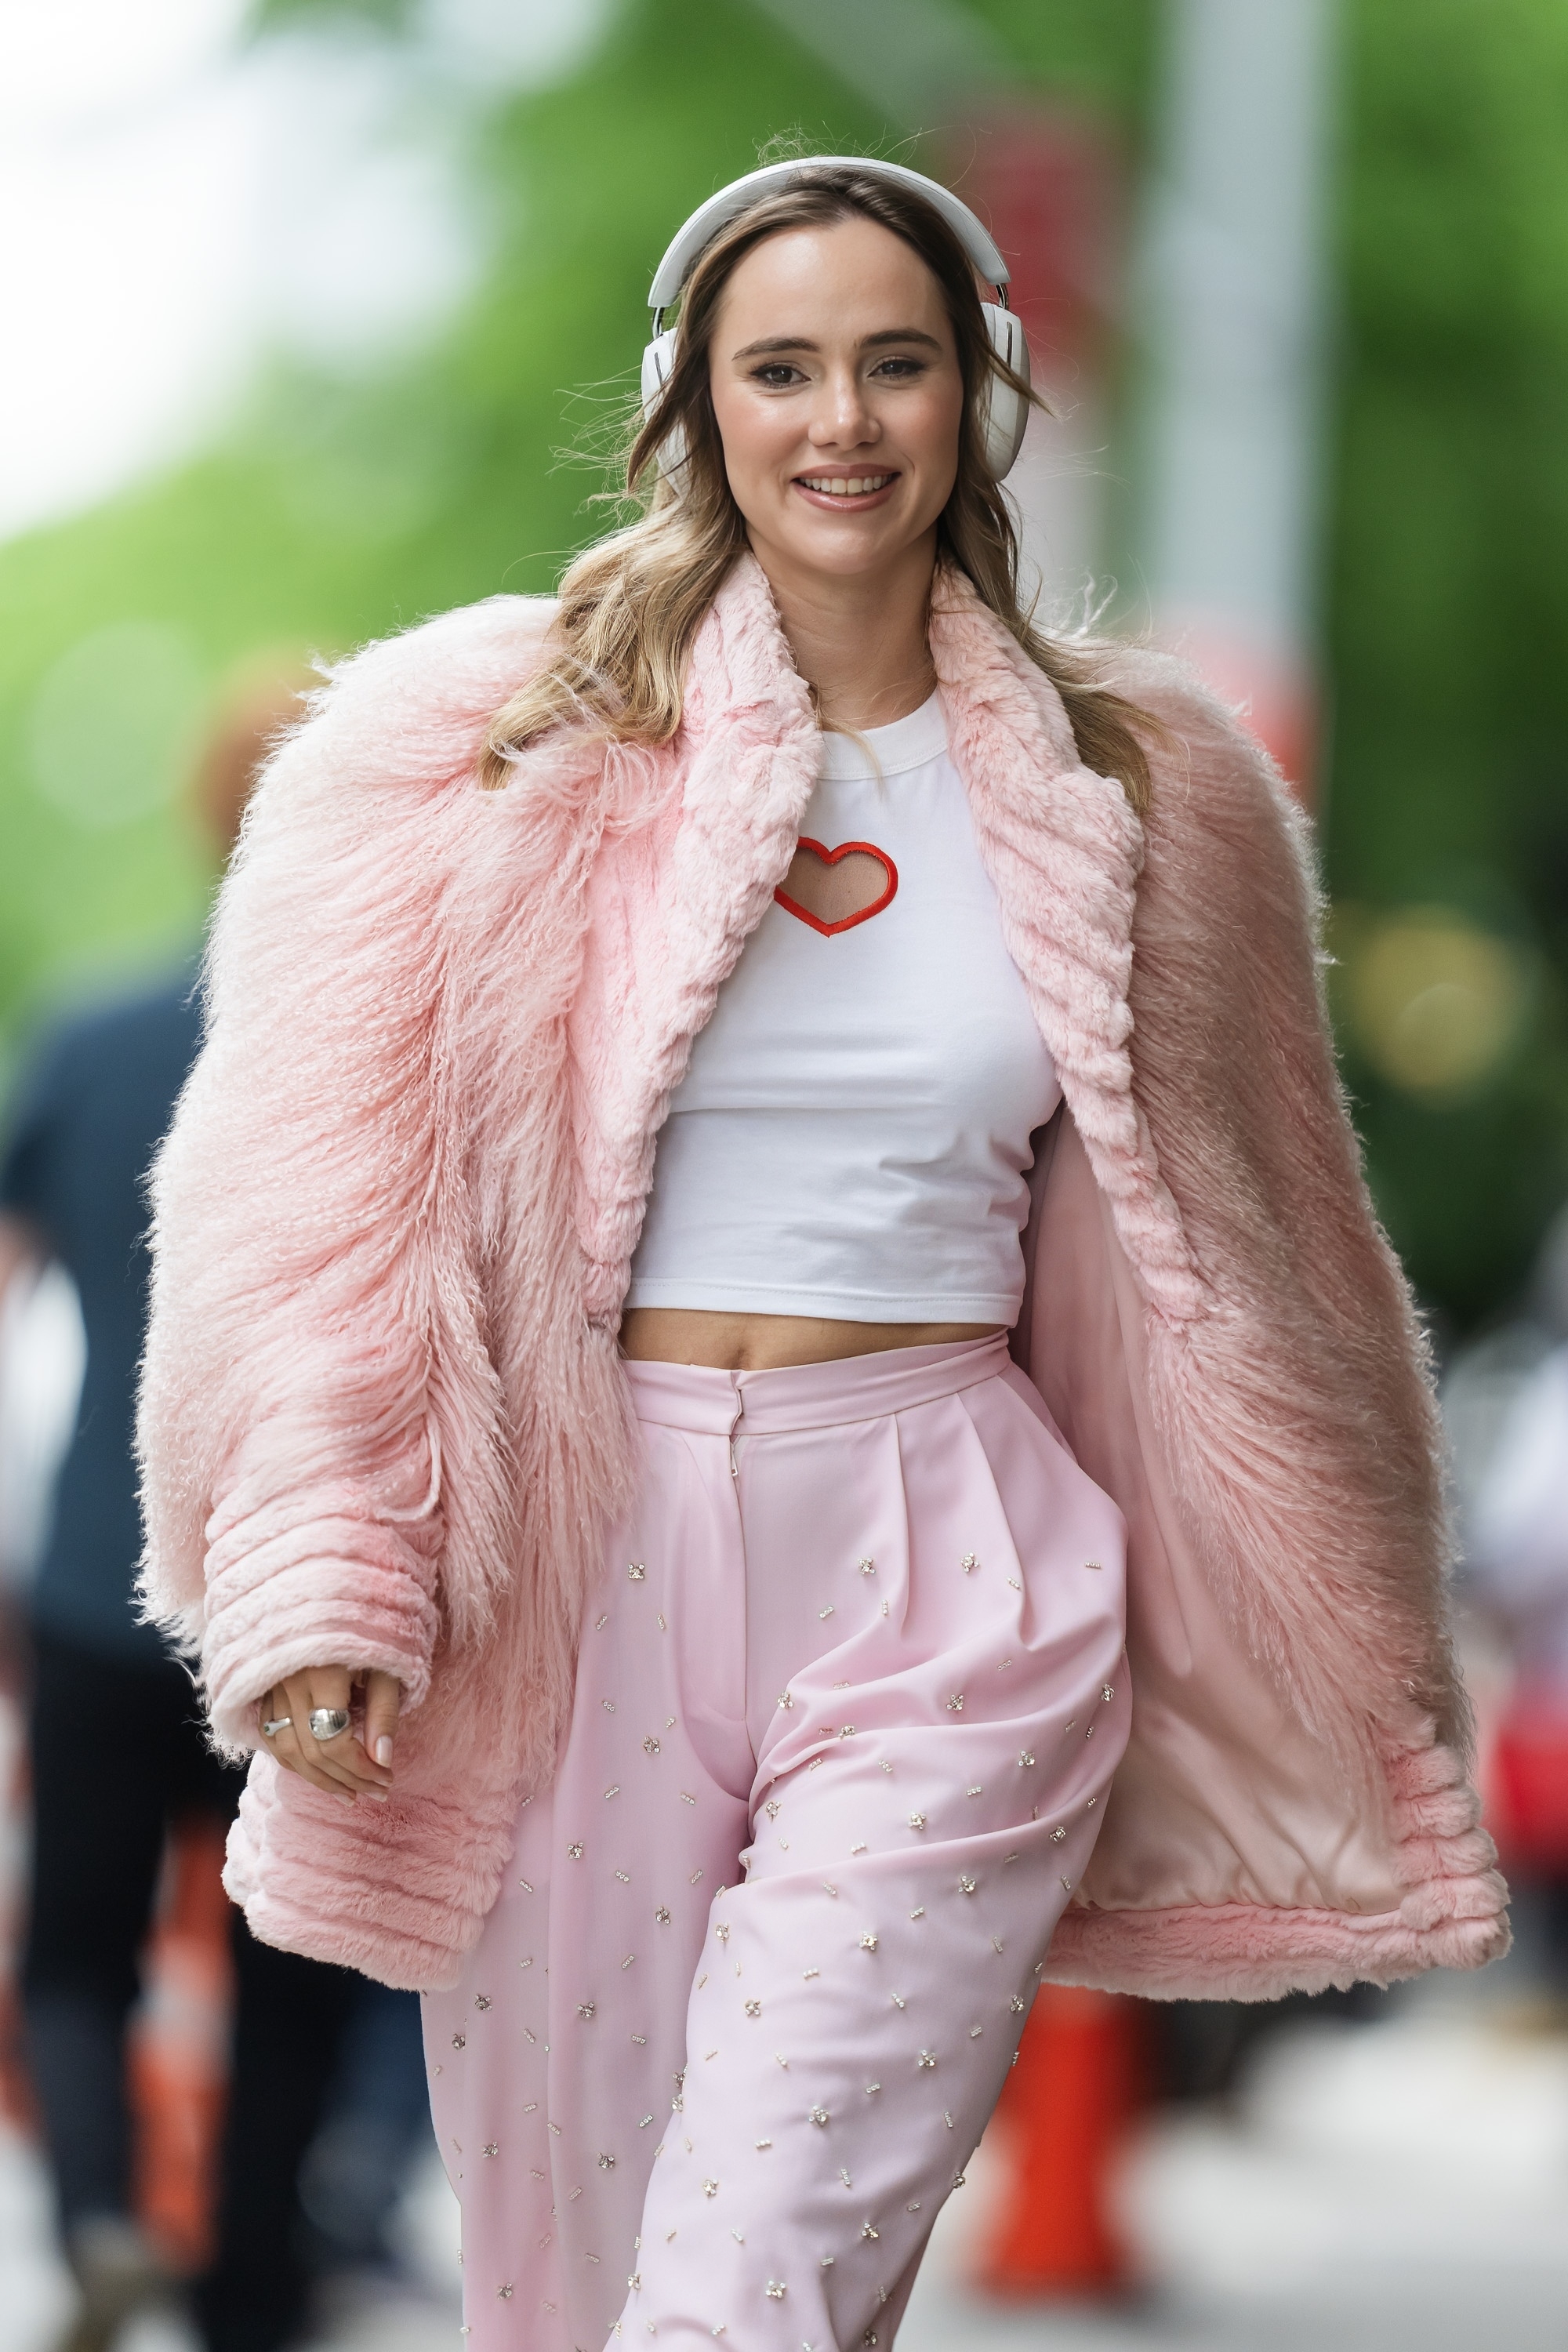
[834, 890]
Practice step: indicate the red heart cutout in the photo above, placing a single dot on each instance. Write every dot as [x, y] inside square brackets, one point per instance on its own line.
[812, 879]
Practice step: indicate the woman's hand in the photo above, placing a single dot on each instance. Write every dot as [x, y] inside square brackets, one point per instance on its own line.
[344, 1767]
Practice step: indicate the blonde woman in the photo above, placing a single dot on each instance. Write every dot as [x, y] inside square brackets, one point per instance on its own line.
[775, 1401]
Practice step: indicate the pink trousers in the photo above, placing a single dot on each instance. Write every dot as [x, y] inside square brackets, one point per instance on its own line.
[849, 1697]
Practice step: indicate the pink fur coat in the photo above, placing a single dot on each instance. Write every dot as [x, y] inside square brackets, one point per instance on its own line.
[384, 1421]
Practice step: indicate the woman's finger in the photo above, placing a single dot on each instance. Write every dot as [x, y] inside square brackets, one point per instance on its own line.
[339, 1754]
[383, 1698]
[337, 1762]
[321, 1686]
[285, 1747]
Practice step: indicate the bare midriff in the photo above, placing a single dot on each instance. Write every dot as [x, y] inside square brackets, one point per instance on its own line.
[757, 1343]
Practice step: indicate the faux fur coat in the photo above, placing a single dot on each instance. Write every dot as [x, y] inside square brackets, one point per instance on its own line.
[384, 1421]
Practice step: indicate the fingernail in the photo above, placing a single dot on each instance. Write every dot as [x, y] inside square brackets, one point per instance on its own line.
[383, 1750]
[382, 1796]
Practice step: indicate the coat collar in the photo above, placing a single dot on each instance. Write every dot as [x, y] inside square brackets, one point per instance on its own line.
[1064, 849]
[1062, 846]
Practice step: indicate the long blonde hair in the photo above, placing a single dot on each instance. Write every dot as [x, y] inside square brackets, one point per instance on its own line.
[632, 604]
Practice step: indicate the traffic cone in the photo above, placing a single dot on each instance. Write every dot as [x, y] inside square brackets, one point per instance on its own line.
[1059, 2129]
[178, 2049]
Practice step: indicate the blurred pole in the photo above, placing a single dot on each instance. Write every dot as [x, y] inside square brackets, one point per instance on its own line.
[1233, 301]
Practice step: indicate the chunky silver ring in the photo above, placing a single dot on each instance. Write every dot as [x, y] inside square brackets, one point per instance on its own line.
[328, 1722]
[278, 1723]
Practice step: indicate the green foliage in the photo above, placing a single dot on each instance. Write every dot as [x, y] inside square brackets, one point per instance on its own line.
[1448, 589]
[1099, 53]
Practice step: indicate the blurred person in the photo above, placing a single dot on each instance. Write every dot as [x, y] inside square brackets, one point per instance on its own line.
[637, 1027]
[118, 1750]
[1517, 1568]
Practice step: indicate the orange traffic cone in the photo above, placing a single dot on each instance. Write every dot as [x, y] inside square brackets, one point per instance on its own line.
[178, 2049]
[1059, 2128]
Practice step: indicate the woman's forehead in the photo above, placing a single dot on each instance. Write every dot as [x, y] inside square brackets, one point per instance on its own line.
[844, 275]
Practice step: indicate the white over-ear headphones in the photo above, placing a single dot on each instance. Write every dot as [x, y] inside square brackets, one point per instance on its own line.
[1003, 412]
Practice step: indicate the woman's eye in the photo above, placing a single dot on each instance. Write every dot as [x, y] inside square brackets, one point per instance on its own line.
[776, 376]
[900, 369]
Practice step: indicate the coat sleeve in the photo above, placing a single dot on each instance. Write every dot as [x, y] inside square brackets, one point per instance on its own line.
[290, 1455]
[1323, 1354]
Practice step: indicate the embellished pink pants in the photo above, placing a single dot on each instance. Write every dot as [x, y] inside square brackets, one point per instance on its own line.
[850, 1698]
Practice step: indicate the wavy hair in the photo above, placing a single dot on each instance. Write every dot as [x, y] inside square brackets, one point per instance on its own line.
[632, 604]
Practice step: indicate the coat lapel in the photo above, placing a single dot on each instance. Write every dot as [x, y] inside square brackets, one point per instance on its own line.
[1064, 849]
[691, 888]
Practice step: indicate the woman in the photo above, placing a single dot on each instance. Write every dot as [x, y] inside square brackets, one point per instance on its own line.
[667, 1536]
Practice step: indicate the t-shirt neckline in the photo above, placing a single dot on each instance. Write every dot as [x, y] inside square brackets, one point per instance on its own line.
[889, 750]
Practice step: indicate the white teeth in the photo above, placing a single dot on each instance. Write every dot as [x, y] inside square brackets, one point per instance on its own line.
[837, 485]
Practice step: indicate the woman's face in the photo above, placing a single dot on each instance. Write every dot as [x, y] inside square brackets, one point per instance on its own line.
[838, 396]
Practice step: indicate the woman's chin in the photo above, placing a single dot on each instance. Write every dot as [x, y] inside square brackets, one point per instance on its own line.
[842, 547]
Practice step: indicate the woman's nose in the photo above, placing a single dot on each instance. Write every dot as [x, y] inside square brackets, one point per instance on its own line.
[843, 419]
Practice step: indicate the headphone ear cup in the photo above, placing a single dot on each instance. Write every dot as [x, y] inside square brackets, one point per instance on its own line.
[658, 366]
[1004, 414]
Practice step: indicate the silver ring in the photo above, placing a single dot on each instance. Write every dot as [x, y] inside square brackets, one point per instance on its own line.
[328, 1722]
[278, 1723]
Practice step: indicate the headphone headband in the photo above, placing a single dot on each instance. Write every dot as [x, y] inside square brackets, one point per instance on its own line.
[708, 220]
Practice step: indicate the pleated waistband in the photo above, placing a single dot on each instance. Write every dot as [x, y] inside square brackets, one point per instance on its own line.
[812, 1396]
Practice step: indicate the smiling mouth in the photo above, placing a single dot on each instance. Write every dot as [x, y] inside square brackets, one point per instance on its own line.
[845, 486]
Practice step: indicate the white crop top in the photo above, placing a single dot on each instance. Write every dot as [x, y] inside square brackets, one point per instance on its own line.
[851, 1139]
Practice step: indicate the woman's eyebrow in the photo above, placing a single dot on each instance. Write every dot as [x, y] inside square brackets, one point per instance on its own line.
[776, 343]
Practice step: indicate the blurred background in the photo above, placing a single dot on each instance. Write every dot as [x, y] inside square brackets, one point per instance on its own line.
[323, 315]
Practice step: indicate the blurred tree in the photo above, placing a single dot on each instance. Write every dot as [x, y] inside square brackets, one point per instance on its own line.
[1448, 603]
